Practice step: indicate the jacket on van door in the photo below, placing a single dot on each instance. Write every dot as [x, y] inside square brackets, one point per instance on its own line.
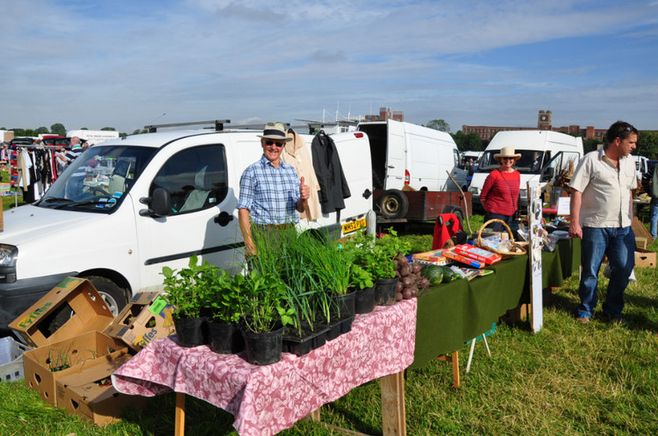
[298, 156]
[333, 185]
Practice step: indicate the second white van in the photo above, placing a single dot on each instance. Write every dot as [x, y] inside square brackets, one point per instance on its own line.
[408, 157]
[544, 154]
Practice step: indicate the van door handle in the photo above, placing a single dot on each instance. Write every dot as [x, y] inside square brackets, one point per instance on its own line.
[223, 219]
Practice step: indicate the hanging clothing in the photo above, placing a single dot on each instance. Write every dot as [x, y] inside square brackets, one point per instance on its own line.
[329, 171]
[24, 164]
[297, 155]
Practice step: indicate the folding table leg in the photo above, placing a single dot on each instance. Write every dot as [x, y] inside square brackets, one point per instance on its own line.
[393, 407]
[486, 344]
[315, 415]
[456, 382]
[470, 356]
[180, 415]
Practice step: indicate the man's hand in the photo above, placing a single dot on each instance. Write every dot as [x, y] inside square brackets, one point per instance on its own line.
[304, 190]
[575, 231]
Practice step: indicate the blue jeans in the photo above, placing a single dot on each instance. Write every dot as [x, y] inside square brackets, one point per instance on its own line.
[653, 228]
[618, 243]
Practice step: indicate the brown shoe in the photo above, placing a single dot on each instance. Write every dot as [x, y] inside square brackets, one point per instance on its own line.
[583, 319]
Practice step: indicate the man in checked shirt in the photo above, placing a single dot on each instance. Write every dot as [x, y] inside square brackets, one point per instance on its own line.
[271, 193]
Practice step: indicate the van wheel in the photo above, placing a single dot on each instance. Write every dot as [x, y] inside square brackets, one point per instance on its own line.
[457, 211]
[393, 204]
[114, 296]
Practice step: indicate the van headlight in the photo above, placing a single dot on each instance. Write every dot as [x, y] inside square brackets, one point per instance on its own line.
[8, 255]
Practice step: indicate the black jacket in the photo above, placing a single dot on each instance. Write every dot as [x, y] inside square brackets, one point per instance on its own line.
[326, 162]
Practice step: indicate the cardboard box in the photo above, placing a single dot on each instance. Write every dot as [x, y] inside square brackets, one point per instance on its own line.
[89, 393]
[145, 318]
[641, 242]
[640, 231]
[75, 302]
[645, 258]
[68, 357]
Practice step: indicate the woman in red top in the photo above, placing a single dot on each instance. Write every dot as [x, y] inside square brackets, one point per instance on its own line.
[500, 193]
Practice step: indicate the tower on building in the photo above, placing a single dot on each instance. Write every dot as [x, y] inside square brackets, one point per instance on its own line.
[544, 120]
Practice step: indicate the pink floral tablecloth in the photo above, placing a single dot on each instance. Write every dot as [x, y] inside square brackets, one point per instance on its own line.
[267, 399]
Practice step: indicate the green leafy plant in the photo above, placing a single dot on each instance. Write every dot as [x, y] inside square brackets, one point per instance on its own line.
[264, 297]
[360, 278]
[190, 288]
[225, 299]
[377, 255]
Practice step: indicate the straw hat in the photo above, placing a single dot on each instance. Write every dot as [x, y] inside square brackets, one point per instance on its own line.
[507, 152]
[276, 131]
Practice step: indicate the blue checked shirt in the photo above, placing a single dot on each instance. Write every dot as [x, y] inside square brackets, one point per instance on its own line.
[270, 194]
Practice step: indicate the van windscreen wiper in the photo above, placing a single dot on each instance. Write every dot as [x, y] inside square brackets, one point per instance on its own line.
[106, 202]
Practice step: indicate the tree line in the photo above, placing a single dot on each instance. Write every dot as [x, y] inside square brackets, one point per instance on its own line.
[647, 143]
[55, 129]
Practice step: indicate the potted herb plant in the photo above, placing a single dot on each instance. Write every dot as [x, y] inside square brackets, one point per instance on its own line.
[264, 317]
[361, 281]
[225, 308]
[387, 247]
[285, 254]
[185, 290]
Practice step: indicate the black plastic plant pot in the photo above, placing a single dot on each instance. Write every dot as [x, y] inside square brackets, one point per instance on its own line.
[345, 304]
[298, 345]
[385, 291]
[346, 325]
[263, 348]
[190, 332]
[320, 338]
[292, 343]
[364, 301]
[224, 337]
[335, 329]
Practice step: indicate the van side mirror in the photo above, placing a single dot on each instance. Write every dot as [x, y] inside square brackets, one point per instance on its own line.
[159, 204]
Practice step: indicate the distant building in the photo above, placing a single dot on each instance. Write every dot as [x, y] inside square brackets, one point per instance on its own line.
[544, 122]
[385, 113]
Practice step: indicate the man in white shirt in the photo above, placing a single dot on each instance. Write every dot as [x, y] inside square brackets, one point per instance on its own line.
[601, 215]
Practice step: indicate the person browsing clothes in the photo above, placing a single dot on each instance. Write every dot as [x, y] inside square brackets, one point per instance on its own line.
[500, 193]
[271, 193]
[601, 215]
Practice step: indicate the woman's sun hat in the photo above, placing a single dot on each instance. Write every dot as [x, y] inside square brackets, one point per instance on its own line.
[507, 152]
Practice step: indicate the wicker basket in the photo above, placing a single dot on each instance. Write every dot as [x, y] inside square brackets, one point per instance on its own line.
[520, 248]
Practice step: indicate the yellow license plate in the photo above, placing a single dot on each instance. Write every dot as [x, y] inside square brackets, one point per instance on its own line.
[353, 226]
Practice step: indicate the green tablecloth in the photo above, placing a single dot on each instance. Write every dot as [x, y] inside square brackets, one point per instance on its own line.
[451, 314]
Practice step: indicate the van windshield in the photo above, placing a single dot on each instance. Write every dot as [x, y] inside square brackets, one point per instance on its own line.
[531, 161]
[98, 180]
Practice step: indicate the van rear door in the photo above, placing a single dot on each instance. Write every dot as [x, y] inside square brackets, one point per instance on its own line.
[396, 159]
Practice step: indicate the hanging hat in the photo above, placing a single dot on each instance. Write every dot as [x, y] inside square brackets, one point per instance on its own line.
[507, 152]
[275, 131]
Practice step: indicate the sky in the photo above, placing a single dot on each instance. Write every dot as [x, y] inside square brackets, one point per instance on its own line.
[126, 64]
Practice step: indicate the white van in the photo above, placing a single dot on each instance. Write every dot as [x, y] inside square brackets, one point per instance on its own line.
[544, 154]
[126, 208]
[408, 157]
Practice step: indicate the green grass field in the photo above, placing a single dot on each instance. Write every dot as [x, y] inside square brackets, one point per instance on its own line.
[567, 379]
